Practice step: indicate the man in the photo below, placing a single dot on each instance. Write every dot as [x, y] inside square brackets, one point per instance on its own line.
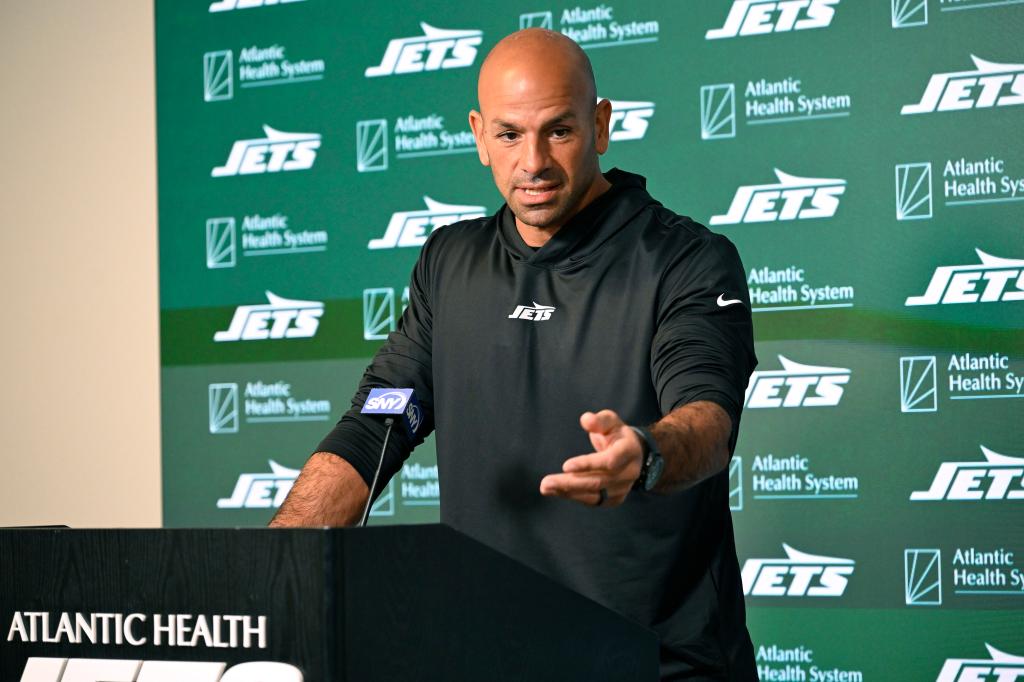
[582, 299]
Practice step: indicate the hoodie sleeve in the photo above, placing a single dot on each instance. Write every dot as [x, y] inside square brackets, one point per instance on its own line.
[404, 361]
[703, 348]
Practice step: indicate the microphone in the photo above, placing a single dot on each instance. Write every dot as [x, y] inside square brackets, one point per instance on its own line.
[390, 401]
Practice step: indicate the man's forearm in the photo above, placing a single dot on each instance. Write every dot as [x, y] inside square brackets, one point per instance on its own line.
[694, 442]
[328, 492]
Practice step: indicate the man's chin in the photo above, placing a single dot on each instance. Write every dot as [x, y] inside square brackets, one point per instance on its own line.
[539, 217]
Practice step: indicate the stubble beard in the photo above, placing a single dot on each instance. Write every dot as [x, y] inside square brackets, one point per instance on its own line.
[563, 211]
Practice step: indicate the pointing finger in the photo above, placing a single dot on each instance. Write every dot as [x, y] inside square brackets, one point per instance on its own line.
[603, 422]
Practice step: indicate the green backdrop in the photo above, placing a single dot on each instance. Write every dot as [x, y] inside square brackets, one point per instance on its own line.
[864, 155]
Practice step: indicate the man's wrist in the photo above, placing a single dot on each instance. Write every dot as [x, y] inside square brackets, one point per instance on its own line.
[651, 463]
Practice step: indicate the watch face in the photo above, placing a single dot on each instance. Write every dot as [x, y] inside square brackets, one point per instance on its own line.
[654, 473]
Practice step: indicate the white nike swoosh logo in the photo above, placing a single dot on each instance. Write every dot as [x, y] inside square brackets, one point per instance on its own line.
[722, 302]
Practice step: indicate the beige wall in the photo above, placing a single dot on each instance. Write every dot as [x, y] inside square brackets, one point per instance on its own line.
[79, 422]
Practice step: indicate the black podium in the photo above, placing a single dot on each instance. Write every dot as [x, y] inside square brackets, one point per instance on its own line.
[398, 603]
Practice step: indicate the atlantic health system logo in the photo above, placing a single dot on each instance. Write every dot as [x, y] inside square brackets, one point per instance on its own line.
[277, 151]
[922, 577]
[787, 478]
[414, 136]
[223, 407]
[596, 26]
[994, 280]
[989, 84]
[985, 572]
[912, 13]
[918, 384]
[913, 191]
[758, 17]
[787, 100]
[436, 49]
[279, 318]
[379, 312]
[791, 198]
[967, 376]
[411, 228]
[261, 235]
[796, 385]
[258, 66]
[908, 13]
[797, 575]
[966, 181]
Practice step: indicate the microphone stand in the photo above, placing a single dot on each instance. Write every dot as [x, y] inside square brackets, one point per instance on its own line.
[376, 475]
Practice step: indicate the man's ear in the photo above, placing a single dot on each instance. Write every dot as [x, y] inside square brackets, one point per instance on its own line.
[602, 117]
[476, 122]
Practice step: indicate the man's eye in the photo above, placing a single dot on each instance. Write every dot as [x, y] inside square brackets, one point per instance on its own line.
[559, 133]
[508, 136]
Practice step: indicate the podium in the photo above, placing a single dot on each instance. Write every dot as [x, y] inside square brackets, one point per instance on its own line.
[395, 603]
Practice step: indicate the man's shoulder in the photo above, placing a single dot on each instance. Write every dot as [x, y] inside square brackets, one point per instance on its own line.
[677, 232]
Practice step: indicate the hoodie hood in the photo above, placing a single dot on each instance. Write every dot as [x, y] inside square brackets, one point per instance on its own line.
[599, 221]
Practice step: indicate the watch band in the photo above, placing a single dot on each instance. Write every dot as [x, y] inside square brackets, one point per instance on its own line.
[648, 445]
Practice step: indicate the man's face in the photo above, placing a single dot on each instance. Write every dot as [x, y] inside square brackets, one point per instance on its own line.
[541, 135]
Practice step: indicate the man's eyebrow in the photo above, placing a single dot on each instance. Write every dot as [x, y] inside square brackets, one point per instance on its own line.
[562, 117]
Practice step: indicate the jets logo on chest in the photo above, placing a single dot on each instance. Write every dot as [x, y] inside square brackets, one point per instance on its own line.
[536, 312]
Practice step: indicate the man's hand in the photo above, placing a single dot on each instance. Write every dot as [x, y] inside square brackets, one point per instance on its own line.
[693, 440]
[613, 467]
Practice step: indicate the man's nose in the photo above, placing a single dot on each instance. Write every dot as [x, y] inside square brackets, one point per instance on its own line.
[535, 155]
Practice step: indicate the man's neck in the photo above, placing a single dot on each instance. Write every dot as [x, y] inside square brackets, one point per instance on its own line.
[537, 237]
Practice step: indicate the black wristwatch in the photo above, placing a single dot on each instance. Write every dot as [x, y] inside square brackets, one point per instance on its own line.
[652, 463]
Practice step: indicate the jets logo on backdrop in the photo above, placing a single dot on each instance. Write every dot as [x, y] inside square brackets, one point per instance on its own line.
[1000, 666]
[86, 669]
[629, 119]
[988, 85]
[276, 152]
[791, 198]
[796, 385]
[228, 5]
[536, 312]
[279, 318]
[798, 575]
[757, 17]
[261, 491]
[993, 280]
[998, 477]
[436, 49]
[410, 228]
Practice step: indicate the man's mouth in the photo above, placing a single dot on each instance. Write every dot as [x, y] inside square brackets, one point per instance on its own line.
[538, 194]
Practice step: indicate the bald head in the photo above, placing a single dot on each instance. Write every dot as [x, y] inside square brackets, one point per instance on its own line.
[531, 52]
[541, 129]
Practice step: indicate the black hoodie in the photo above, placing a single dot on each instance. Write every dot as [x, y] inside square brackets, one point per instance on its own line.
[507, 346]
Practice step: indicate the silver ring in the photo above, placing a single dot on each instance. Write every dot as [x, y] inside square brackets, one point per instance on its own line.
[602, 495]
